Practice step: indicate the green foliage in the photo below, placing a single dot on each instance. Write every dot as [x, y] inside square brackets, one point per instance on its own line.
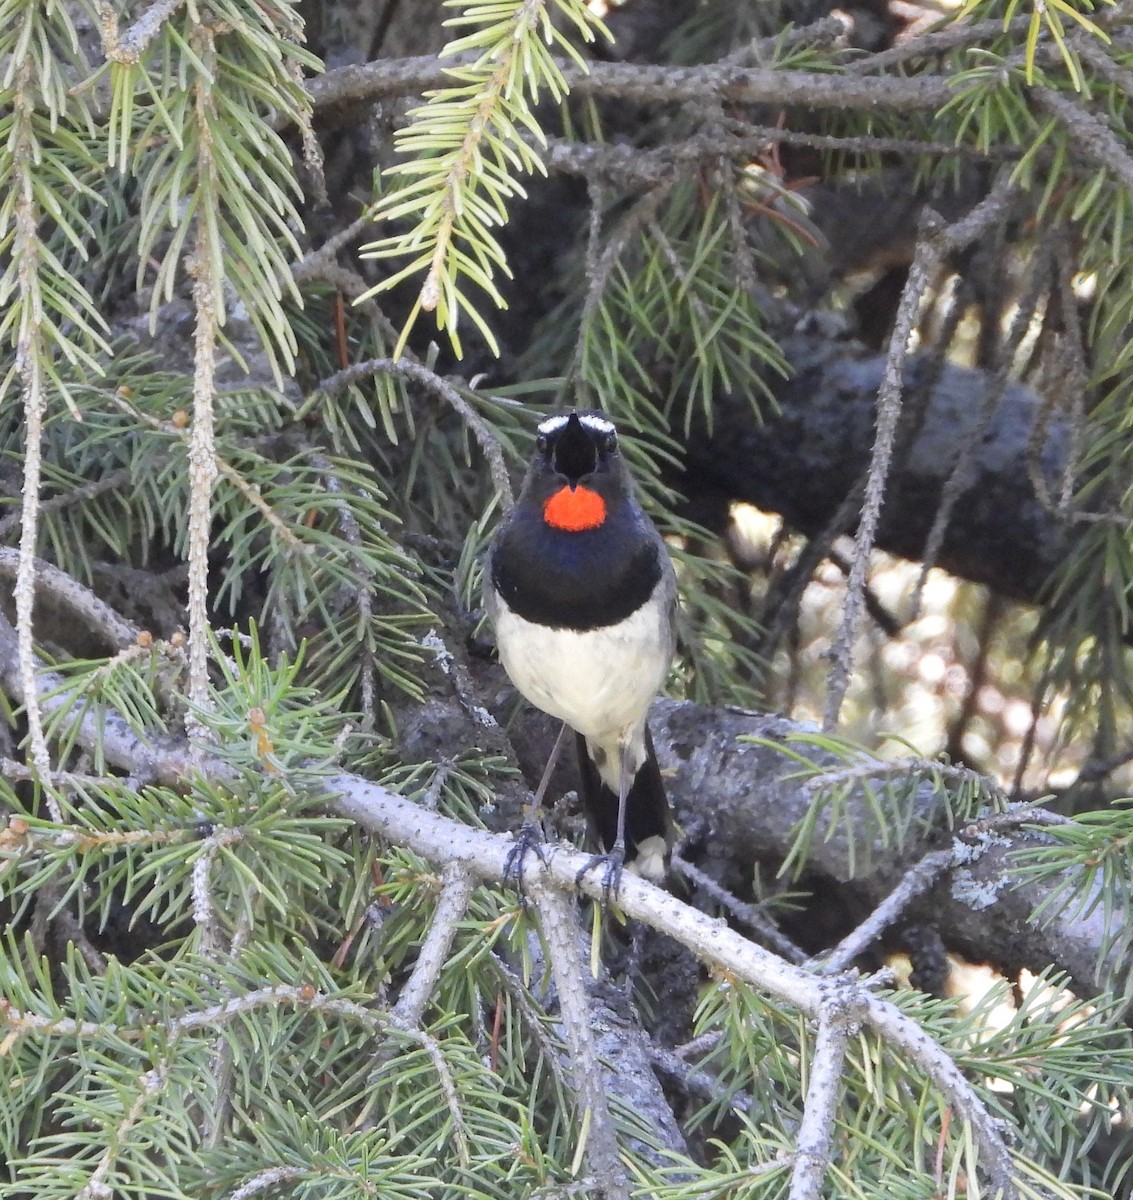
[191, 122]
[45, 128]
[895, 1135]
[1086, 864]
[874, 806]
[467, 145]
[235, 1033]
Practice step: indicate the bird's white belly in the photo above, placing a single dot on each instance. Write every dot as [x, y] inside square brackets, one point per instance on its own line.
[600, 681]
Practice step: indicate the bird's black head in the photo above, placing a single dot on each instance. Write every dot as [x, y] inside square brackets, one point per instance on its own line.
[576, 446]
[577, 471]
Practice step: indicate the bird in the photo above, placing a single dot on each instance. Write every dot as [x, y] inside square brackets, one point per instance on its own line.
[582, 594]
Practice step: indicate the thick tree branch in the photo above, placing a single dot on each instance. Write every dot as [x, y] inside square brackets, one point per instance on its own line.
[804, 460]
[755, 806]
[650, 83]
[484, 855]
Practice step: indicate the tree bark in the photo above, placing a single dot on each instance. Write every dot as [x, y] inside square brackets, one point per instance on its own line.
[803, 461]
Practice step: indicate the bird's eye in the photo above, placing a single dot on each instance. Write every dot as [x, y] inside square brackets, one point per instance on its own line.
[610, 444]
[541, 443]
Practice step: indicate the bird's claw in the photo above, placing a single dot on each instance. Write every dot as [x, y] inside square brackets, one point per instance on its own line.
[529, 837]
[612, 860]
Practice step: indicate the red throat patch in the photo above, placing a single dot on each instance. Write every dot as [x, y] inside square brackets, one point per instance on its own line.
[574, 509]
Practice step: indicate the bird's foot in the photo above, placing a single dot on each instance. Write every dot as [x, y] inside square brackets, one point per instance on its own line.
[529, 838]
[612, 861]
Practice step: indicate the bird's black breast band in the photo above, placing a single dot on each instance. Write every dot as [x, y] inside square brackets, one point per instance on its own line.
[576, 581]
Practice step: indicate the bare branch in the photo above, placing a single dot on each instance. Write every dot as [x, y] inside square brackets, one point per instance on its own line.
[78, 495]
[457, 885]
[935, 242]
[562, 934]
[920, 877]
[93, 611]
[1089, 134]
[652, 83]
[767, 933]
[836, 1021]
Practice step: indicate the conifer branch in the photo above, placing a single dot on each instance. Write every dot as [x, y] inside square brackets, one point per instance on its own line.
[484, 855]
[836, 1023]
[99, 616]
[25, 573]
[562, 935]
[468, 144]
[657, 84]
[456, 888]
[202, 460]
[406, 367]
[49, 315]
[934, 242]
[96, 1187]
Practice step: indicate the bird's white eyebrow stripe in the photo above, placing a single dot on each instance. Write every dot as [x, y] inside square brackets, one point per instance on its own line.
[597, 424]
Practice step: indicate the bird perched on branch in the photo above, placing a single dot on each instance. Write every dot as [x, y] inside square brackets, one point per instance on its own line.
[583, 598]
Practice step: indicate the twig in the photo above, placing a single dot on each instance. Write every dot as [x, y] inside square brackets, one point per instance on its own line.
[871, 768]
[21, 773]
[696, 1082]
[1077, 376]
[633, 166]
[272, 1177]
[637, 218]
[915, 882]
[201, 451]
[31, 353]
[1098, 768]
[96, 1187]
[94, 612]
[836, 1021]
[562, 934]
[767, 933]
[456, 888]
[889, 623]
[971, 842]
[960, 477]
[826, 31]
[287, 535]
[534, 1017]
[925, 259]
[1086, 45]
[128, 48]
[364, 596]
[311, 265]
[406, 368]
[222, 467]
[935, 42]
[1089, 134]
[934, 243]
[204, 916]
[447, 1085]
[599, 267]
[781, 604]
[74, 495]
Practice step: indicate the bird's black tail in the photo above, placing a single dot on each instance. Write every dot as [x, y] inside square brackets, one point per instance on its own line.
[648, 819]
